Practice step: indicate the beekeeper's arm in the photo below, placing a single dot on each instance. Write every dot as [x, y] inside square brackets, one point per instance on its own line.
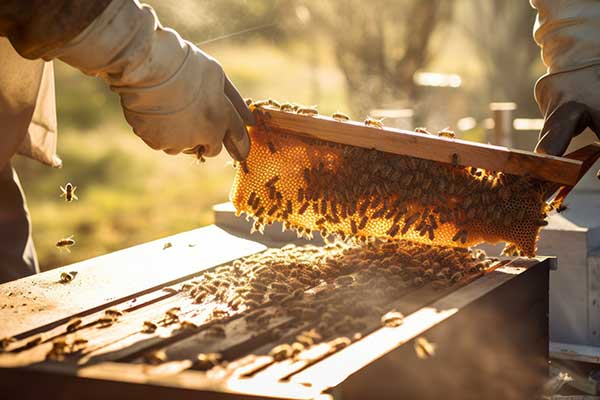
[173, 95]
[569, 93]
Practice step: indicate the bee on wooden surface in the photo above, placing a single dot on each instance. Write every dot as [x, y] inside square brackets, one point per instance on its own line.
[392, 319]
[373, 122]
[149, 327]
[310, 111]
[68, 192]
[172, 314]
[205, 361]
[340, 343]
[33, 342]
[274, 103]
[6, 341]
[424, 348]
[66, 243]
[73, 325]
[340, 116]
[281, 352]
[156, 357]
[105, 322]
[447, 133]
[422, 130]
[457, 276]
[185, 324]
[66, 277]
[111, 312]
[167, 245]
[288, 107]
[260, 103]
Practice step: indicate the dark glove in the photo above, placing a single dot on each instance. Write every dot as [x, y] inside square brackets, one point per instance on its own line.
[570, 102]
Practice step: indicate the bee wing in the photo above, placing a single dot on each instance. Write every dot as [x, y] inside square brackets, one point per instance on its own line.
[74, 195]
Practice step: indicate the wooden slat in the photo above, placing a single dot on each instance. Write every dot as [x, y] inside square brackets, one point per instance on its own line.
[41, 299]
[431, 147]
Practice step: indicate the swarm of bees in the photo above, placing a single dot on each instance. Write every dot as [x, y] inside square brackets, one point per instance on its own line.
[347, 191]
[354, 281]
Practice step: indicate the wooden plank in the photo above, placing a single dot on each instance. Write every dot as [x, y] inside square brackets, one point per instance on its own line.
[41, 299]
[431, 147]
[575, 352]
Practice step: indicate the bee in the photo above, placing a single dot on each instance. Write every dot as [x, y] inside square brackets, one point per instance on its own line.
[392, 319]
[68, 192]
[447, 133]
[6, 341]
[149, 327]
[111, 312]
[272, 181]
[271, 147]
[422, 130]
[66, 243]
[281, 352]
[156, 357]
[340, 116]
[167, 245]
[344, 280]
[248, 101]
[363, 222]
[460, 235]
[73, 325]
[205, 361]
[287, 107]
[300, 194]
[198, 152]
[172, 314]
[251, 198]
[274, 103]
[33, 342]
[105, 322]
[311, 111]
[457, 276]
[424, 348]
[375, 123]
[66, 277]
[340, 343]
[409, 222]
[187, 324]
[303, 208]
[272, 210]
[260, 103]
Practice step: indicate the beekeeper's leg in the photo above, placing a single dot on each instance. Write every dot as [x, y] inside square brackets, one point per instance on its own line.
[17, 253]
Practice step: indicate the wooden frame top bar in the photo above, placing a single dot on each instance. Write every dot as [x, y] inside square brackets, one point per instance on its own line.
[560, 170]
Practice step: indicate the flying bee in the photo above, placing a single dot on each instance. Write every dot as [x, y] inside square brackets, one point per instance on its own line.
[373, 122]
[65, 243]
[68, 192]
[198, 152]
[424, 348]
[340, 116]
[310, 111]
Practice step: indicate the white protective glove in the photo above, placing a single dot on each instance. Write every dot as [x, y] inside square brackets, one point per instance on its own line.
[175, 97]
[569, 94]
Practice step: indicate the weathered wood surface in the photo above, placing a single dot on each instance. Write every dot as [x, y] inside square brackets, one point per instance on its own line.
[41, 299]
[431, 147]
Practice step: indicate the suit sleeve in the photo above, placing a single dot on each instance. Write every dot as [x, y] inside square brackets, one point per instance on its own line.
[35, 27]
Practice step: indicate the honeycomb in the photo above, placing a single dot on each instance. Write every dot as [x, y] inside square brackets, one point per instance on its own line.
[313, 185]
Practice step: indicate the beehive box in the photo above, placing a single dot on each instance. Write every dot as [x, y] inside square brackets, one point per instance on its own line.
[488, 323]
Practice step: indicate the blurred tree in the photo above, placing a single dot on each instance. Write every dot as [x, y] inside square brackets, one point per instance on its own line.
[501, 33]
[378, 45]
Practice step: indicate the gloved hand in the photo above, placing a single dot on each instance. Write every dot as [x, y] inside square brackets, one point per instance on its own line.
[570, 102]
[174, 96]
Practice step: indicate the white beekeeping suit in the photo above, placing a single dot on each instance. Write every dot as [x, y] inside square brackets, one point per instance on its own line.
[568, 32]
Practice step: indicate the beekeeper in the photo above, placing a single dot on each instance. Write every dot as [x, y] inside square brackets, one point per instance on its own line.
[174, 96]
